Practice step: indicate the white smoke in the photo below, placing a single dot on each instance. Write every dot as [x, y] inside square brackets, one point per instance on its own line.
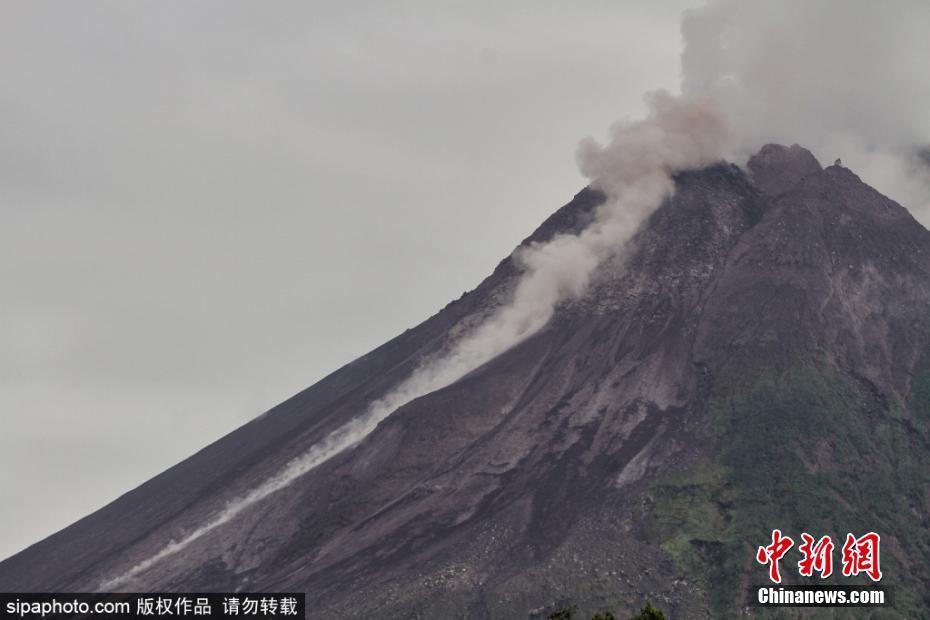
[845, 78]
[634, 170]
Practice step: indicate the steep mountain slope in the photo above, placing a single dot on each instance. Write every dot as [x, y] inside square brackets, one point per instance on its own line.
[758, 357]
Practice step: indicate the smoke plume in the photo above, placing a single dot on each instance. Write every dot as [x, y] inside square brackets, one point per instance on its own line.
[634, 170]
[843, 78]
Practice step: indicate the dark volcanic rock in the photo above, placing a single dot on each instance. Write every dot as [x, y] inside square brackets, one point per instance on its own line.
[758, 357]
[776, 168]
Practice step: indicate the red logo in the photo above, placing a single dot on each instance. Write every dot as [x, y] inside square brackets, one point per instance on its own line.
[860, 555]
[817, 557]
[773, 553]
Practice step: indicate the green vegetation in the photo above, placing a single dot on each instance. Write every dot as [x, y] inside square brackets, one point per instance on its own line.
[649, 613]
[564, 613]
[799, 452]
[920, 398]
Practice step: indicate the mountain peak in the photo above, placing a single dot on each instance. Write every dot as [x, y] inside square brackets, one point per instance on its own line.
[777, 168]
[764, 330]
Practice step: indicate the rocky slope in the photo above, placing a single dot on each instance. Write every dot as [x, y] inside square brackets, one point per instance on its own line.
[759, 357]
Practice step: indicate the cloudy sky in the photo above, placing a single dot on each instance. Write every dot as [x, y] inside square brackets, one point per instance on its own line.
[208, 206]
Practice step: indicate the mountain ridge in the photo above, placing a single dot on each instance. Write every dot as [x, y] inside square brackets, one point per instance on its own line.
[600, 459]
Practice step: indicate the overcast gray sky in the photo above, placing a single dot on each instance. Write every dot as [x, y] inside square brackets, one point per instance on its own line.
[208, 206]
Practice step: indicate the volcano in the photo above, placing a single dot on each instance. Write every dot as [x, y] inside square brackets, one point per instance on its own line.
[757, 357]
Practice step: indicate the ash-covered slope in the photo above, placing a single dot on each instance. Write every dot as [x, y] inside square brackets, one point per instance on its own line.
[757, 358]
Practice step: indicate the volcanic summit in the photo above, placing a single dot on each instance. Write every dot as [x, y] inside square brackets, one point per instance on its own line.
[756, 357]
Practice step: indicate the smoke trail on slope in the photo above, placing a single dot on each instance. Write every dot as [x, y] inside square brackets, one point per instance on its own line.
[857, 90]
[634, 170]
